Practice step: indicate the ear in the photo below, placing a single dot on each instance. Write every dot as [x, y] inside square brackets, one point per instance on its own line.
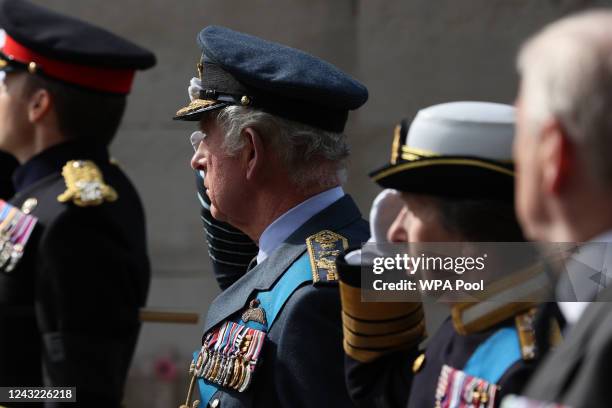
[253, 153]
[38, 105]
[558, 155]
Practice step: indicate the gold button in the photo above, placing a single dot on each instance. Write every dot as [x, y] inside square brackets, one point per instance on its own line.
[29, 205]
[196, 404]
[245, 100]
[32, 67]
[418, 363]
[214, 403]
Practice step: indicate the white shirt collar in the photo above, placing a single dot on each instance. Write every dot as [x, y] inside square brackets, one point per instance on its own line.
[573, 310]
[289, 222]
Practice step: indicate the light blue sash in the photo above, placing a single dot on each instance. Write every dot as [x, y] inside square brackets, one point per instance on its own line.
[272, 301]
[495, 356]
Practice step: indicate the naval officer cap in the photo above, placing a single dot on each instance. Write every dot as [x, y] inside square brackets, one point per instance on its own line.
[241, 69]
[43, 42]
[456, 149]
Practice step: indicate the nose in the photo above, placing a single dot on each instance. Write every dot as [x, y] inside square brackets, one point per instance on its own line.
[198, 160]
[397, 231]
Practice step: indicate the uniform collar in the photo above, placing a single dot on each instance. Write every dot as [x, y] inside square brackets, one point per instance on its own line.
[53, 159]
[335, 217]
[274, 235]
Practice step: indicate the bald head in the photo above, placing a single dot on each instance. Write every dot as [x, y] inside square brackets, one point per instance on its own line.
[563, 135]
[566, 72]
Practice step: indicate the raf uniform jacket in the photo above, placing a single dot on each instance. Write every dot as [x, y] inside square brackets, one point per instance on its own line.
[69, 310]
[302, 357]
[7, 166]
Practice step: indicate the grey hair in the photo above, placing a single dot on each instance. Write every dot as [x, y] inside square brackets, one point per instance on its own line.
[566, 72]
[312, 157]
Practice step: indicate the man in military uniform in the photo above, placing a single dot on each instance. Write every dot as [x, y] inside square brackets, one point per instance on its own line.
[74, 269]
[7, 166]
[564, 194]
[273, 151]
[452, 174]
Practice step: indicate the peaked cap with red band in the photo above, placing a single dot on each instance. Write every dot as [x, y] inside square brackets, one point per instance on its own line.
[44, 42]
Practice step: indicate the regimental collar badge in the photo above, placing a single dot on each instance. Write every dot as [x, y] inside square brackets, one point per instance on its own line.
[15, 230]
[85, 185]
[323, 249]
[255, 313]
[229, 356]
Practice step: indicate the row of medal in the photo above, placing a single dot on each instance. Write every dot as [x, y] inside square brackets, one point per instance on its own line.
[15, 230]
[229, 356]
[457, 389]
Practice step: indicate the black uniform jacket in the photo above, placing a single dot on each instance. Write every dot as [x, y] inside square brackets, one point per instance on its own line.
[7, 166]
[69, 311]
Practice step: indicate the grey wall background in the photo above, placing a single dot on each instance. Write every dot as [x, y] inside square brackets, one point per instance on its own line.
[410, 54]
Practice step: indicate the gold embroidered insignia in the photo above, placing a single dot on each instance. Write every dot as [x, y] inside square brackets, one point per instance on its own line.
[323, 249]
[85, 185]
[254, 313]
[526, 331]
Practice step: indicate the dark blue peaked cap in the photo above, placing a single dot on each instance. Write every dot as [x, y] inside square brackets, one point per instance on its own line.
[241, 69]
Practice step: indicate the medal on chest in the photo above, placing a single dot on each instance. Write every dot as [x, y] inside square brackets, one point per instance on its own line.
[230, 353]
[457, 389]
[15, 229]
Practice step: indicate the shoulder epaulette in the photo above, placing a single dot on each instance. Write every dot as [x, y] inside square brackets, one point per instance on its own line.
[526, 333]
[474, 317]
[85, 185]
[496, 305]
[323, 249]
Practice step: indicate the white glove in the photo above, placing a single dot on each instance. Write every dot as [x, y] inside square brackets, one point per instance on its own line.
[195, 86]
[385, 208]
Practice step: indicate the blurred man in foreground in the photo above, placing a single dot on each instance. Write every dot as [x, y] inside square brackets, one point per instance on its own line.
[564, 192]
